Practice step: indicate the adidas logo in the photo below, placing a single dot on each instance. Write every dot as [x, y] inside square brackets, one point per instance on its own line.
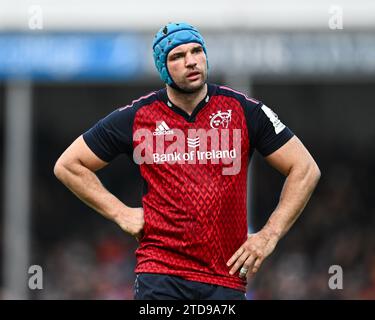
[162, 129]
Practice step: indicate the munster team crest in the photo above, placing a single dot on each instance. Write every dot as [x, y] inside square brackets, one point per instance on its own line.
[220, 119]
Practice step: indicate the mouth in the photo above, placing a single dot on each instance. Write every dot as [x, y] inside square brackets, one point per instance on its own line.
[193, 75]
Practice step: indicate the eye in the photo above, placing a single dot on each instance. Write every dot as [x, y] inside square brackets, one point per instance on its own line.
[176, 56]
[197, 50]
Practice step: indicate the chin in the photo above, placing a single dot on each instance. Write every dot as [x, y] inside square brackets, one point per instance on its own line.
[191, 88]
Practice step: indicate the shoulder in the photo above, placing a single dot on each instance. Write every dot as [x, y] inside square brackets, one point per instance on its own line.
[243, 99]
[128, 112]
[139, 103]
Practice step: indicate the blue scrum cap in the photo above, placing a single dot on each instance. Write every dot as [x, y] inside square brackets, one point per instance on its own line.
[169, 37]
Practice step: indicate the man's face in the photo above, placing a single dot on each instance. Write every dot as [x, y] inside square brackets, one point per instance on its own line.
[187, 65]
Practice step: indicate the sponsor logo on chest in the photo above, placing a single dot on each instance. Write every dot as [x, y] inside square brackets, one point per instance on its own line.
[218, 145]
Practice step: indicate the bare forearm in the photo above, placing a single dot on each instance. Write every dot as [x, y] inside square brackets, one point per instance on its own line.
[295, 162]
[296, 192]
[76, 169]
[87, 187]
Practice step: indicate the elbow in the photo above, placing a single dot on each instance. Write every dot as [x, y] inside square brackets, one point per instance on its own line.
[314, 173]
[59, 169]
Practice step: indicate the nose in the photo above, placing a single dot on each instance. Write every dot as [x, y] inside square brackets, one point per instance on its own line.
[190, 60]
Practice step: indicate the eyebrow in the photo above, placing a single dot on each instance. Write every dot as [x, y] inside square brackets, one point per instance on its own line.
[182, 52]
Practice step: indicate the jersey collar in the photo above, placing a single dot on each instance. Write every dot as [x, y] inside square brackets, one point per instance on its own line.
[162, 95]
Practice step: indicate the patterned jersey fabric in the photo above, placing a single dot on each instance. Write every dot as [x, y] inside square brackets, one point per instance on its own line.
[195, 172]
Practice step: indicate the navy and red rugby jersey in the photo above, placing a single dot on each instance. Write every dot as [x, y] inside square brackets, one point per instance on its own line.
[194, 168]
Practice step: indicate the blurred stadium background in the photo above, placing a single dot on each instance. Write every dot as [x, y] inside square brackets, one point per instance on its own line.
[65, 64]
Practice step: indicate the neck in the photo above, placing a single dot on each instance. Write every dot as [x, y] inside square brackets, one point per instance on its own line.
[186, 101]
